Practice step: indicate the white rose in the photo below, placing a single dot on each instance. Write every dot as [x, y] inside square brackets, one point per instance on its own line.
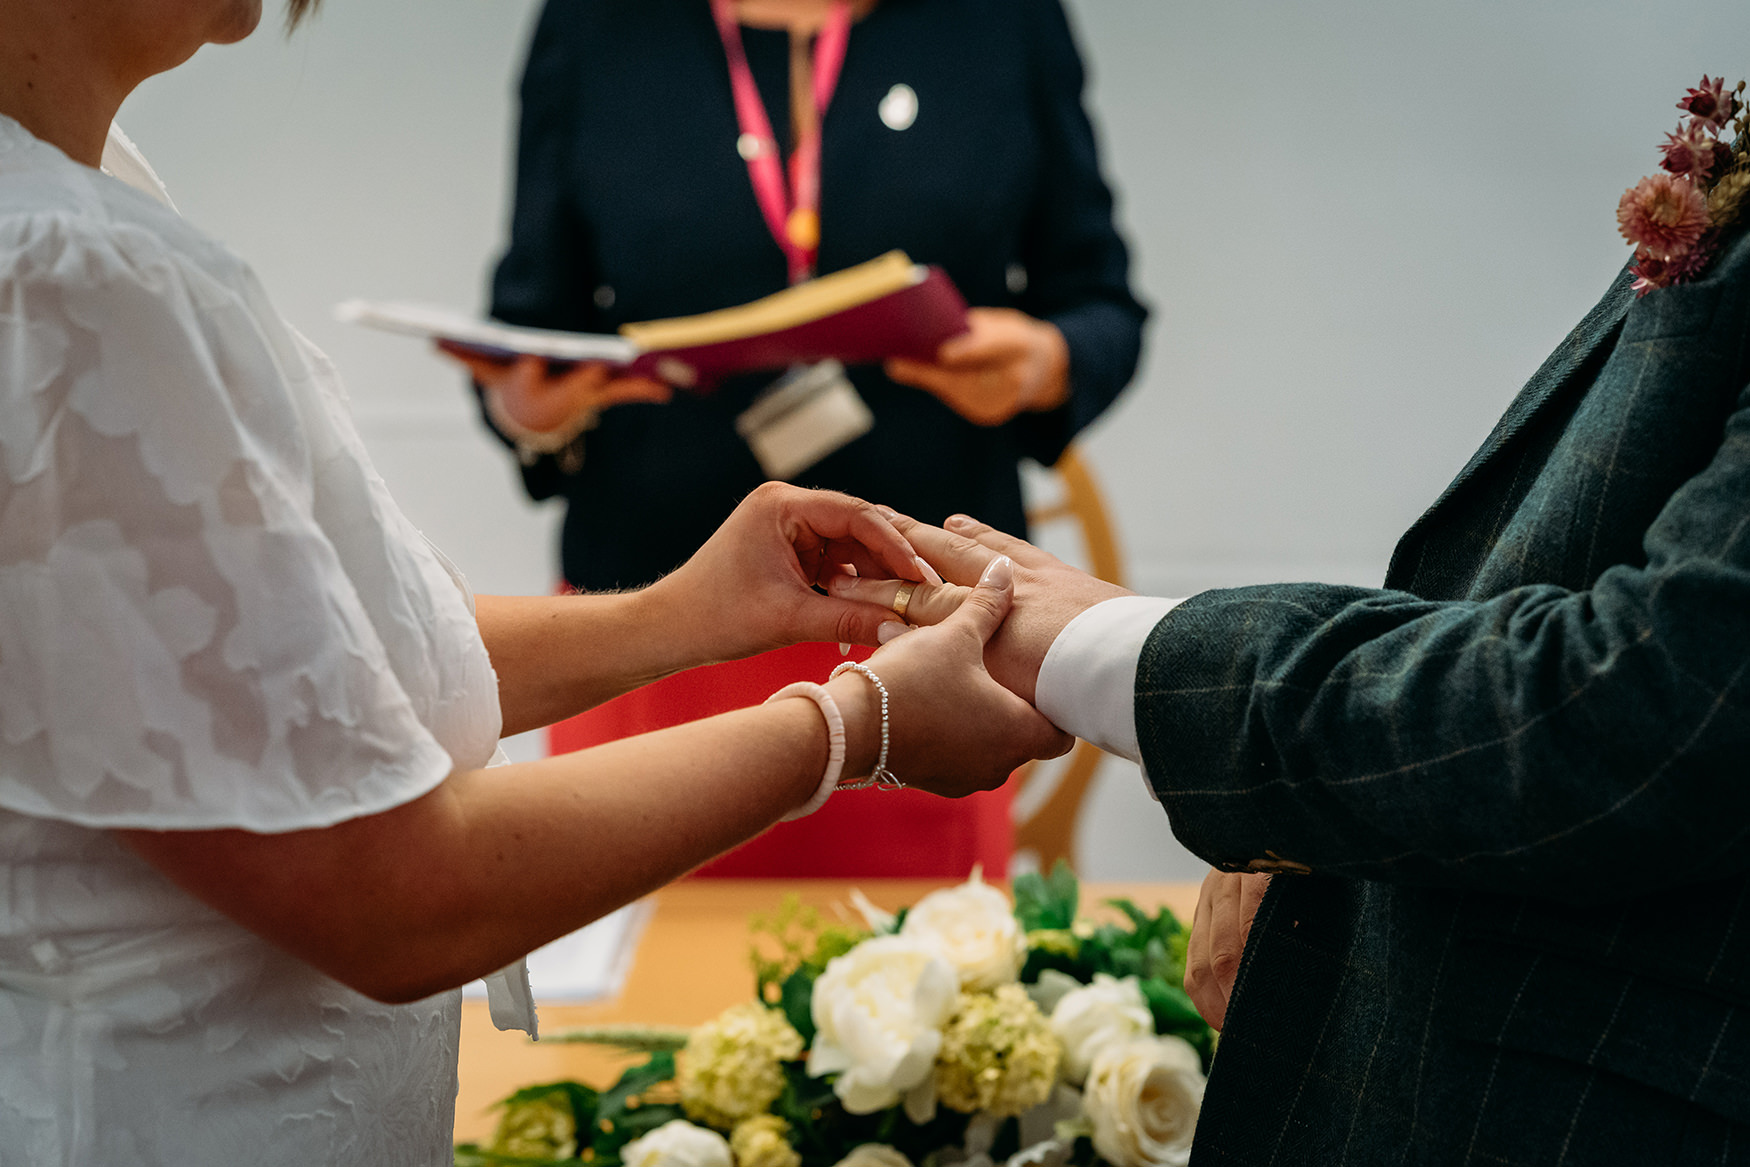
[975, 927]
[678, 1144]
[1090, 1017]
[874, 1155]
[1143, 1096]
[878, 1016]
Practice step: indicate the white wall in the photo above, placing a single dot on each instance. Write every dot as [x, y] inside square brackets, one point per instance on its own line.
[1361, 223]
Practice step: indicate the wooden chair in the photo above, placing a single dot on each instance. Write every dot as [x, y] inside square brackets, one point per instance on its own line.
[1047, 831]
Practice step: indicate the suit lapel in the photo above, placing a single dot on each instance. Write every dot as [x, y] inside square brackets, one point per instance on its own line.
[1557, 373]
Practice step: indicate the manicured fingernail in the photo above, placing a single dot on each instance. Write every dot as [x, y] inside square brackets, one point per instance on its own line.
[928, 572]
[890, 630]
[958, 521]
[1000, 573]
[844, 648]
[840, 585]
[887, 513]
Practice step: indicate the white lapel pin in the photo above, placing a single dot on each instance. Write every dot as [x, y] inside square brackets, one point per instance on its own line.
[899, 109]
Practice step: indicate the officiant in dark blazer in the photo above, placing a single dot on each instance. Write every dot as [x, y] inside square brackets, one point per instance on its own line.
[954, 130]
[1505, 798]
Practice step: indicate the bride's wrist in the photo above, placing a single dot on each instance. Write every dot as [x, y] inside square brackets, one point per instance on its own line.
[860, 705]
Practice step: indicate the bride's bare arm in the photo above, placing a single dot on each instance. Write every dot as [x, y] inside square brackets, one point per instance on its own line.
[494, 863]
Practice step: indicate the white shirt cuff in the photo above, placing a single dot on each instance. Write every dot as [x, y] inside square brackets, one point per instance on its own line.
[1087, 682]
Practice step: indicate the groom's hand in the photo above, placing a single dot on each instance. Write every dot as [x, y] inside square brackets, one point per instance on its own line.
[953, 728]
[1225, 907]
[1048, 592]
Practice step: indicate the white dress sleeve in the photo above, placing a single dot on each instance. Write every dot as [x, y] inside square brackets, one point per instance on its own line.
[180, 643]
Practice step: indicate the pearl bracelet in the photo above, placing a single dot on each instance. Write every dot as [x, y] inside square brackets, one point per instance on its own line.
[880, 777]
[835, 742]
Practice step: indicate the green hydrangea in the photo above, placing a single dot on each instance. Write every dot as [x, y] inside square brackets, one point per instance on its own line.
[730, 1069]
[1056, 941]
[763, 1141]
[998, 1054]
[537, 1126]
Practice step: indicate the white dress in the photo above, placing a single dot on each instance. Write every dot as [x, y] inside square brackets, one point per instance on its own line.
[211, 615]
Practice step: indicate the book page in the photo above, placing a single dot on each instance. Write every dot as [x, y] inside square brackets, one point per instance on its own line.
[485, 336]
[813, 300]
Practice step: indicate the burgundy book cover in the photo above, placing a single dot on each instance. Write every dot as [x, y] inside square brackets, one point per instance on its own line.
[911, 322]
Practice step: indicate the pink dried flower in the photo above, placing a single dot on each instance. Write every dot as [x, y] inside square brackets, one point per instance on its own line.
[1663, 215]
[1710, 103]
[1722, 162]
[1651, 273]
[1693, 150]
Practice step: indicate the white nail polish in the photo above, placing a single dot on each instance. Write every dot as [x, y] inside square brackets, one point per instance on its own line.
[844, 649]
[1000, 573]
[929, 573]
[891, 630]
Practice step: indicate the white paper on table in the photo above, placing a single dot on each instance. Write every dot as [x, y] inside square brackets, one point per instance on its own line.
[589, 965]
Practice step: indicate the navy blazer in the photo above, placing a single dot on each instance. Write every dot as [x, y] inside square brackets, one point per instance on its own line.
[633, 204]
[1519, 776]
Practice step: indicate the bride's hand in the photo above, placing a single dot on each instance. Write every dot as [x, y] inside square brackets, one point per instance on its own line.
[952, 729]
[752, 586]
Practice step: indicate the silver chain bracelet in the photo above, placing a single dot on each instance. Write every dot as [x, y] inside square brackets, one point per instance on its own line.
[880, 777]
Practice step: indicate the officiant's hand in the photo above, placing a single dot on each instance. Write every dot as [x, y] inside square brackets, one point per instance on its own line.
[751, 587]
[543, 402]
[953, 729]
[1006, 363]
[1049, 593]
[1226, 905]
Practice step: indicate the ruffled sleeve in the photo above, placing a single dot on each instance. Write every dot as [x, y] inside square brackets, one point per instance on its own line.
[180, 643]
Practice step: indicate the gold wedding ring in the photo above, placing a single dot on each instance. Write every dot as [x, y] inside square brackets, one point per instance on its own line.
[902, 599]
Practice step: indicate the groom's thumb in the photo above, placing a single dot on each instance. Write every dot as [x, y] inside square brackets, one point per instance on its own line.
[990, 601]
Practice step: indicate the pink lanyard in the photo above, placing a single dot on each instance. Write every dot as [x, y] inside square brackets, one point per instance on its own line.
[791, 206]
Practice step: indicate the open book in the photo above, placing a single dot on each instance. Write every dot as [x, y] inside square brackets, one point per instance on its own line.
[887, 307]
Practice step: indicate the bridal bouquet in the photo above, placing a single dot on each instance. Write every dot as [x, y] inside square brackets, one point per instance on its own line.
[965, 1031]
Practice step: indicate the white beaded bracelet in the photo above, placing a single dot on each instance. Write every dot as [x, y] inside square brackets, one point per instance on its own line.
[880, 777]
[835, 742]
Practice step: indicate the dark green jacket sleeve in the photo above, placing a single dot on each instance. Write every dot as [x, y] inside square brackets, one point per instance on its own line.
[1566, 727]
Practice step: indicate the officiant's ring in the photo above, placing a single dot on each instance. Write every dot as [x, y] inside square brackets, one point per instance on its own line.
[902, 599]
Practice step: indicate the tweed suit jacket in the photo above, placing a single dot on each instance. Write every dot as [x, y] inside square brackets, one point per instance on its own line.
[1512, 787]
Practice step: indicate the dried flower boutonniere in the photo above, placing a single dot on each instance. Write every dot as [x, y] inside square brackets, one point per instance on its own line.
[1674, 218]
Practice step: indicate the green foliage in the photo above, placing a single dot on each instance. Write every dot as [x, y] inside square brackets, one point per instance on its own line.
[811, 1109]
[1053, 948]
[794, 937]
[1150, 948]
[796, 999]
[1146, 947]
[474, 1155]
[624, 1112]
[632, 1039]
[1047, 901]
[553, 1117]
[581, 1097]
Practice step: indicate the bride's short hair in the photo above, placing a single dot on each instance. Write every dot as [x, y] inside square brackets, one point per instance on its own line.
[296, 10]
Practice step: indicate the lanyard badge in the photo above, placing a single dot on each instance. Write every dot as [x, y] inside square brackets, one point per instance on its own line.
[812, 410]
